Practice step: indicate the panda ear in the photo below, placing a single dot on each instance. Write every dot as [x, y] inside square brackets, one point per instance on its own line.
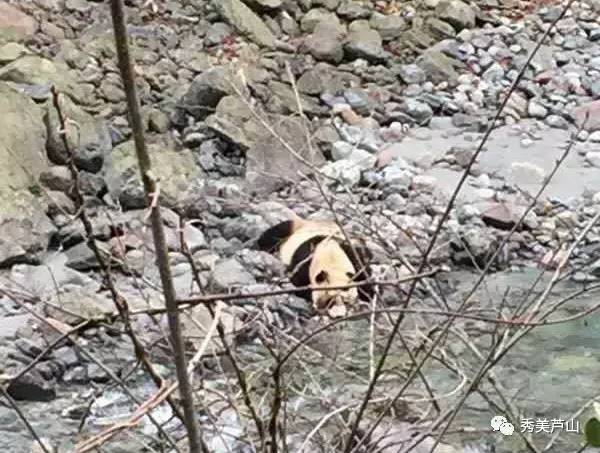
[360, 260]
[359, 254]
[270, 240]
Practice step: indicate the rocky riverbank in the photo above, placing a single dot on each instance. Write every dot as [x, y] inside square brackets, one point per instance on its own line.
[393, 96]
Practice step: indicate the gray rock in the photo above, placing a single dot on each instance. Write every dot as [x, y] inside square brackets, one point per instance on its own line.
[28, 347]
[288, 25]
[500, 215]
[341, 150]
[175, 170]
[438, 67]
[473, 249]
[216, 33]
[66, 356]
[97, 374]
[15, 25]
[76, 303]
[411, 73]
[593, 157]
[11, 51]
[11, 325]
[270, 164]
[82, 258]
[229, 273]
[24, 228]
[440, 29]
[34, 70]
[389, 27]
[59, 203]
[264, 5]
[536, 110]
[207, 89]
[56, 178]
[557, 122]
[456, 13]
[364, 160]
[245, 227]
[285, 97]
[394, 175]
[324, 78]
[326, 42]
[312, 18]
[494, 73]
[158, 121]
[517, 103]
[234, 122]
[88, 138]
[193, 237]
[31, 387]
[42, 281]
[262, 265]
[543, 60]
[359, 100]
[344, 171]
[352, 10]
[364, 42]
[329, 4]
[417, 110]
[246, 22]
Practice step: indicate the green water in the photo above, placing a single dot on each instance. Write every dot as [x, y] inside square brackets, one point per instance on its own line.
[549, 374]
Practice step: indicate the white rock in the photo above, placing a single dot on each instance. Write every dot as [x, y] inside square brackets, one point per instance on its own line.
[362, 159]
[526, 171]
[344, 171]
[395, 175]
[593, 158]
[536, 110]
[526, 143]
[341, 150]
[424, 183]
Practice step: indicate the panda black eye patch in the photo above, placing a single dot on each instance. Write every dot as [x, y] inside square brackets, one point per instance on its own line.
[321, 277]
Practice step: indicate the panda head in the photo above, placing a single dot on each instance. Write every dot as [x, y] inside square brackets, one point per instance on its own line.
[330, 266]
[317, 254]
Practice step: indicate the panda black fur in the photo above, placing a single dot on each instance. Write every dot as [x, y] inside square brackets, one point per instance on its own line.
[317, 254]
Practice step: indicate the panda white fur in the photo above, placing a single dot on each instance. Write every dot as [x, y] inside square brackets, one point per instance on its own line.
[317, 254]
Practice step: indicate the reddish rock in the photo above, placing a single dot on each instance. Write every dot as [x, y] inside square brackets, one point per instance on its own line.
[15, 24]
[592, 110]
[388, 154]
[499, 215]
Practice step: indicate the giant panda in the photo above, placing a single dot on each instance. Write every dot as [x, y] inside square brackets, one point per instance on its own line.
[317, 254]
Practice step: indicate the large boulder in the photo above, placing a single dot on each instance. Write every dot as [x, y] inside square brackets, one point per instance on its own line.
[364, 42]
[456, 13]
[246, 22]
[38, 71]
[208, 88]
[327, 41]
[15, 25]
[271, 164]
[438, 67]
[175, 170]
[88, 137]
[24, 227]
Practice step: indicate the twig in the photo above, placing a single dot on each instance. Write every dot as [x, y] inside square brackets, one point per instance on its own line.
[119, 301]
[196, 444]
[277, 292]
[240, 376]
